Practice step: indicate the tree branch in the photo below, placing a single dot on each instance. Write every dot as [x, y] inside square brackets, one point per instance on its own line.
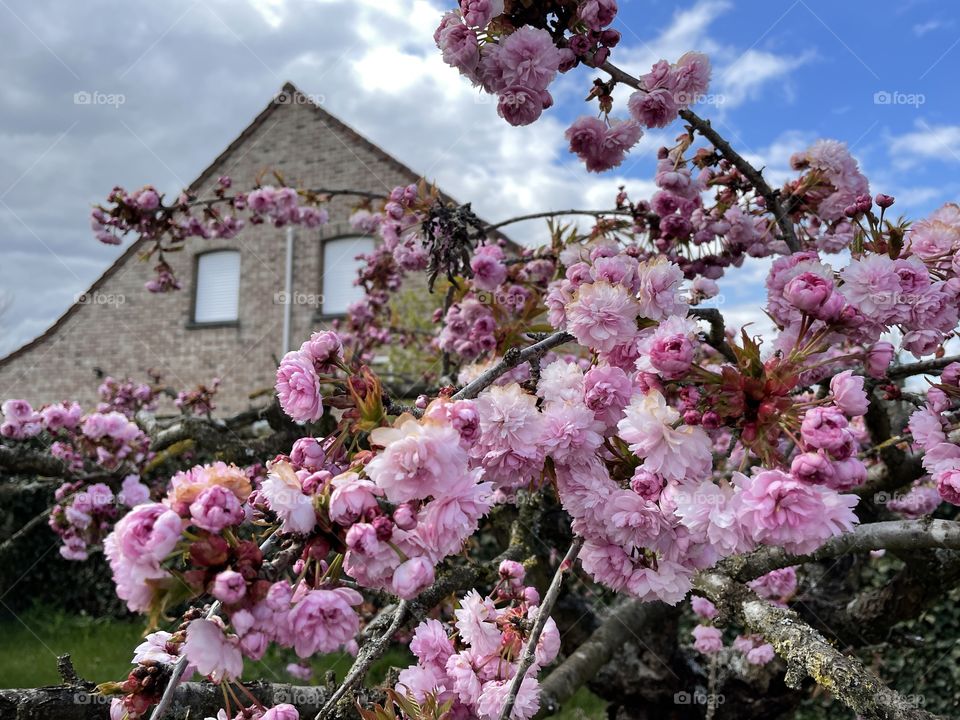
[897, 535]
[554, 213]
[808, 653]
[543, 614]
[585, 662]
[921, 368]
[753, 176]
[511, 359]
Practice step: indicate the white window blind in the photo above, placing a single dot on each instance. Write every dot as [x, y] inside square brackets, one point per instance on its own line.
[218, 287]
[340, 271]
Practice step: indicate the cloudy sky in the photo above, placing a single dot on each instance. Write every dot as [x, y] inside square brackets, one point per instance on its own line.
[176, 81]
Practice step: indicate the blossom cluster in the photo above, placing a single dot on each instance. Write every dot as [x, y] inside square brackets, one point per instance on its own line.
[472, 667]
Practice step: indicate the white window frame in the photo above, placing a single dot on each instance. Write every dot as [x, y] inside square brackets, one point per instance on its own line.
[226, 307]
[343, 271]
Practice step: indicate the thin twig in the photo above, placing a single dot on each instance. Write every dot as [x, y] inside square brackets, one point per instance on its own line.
[182, 662]
[753, 176]
[555, 213]
[543, 614]
[511, 359]
[367, 655]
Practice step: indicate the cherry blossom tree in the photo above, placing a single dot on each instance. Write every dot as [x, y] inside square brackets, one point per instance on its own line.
[599, 437]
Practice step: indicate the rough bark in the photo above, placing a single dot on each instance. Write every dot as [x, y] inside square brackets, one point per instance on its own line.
[807, 652]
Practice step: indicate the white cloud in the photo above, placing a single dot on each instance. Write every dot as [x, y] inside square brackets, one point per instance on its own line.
[927, 142]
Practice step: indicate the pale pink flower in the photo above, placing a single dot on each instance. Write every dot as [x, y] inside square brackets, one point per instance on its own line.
[284, 495]
[707, 639]
[214, 653]
[494, 697]
[682, 453]
[509, 448]
[411, 577]
[848, 393]
[602, 316]
[351, 498]
[660, 292]
[298, 387]
[324, 620]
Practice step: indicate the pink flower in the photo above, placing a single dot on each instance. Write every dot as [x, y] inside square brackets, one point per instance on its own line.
[417, 460]
[607, 391]
[215, 654]
[351, 498]
[463, 677]
[512, 573]
[300, 671]
[691, 76]
[488, 268]
[948, 484]
[446, 521]
[283, 711]
[323, 620]
[284, 495]
[654, 109]
[878, 359]
[494, 697]
[682, 453]
[459, 46]
[703, 607]
[660, 289]
[927, 428]
[760, 654]
[419, 681]
[799, 517]
[411, 577]
[848, 393]
[521, 106]
[711, 511]
[298, 387]
[871, 284]
[777, 585]
[814, 467]
[569, 429]
[528, 58]
[597, 14]
[323, 349]
[826, 428]
[707, 639]
[148, 533]
[509, 447]
[602, 316]
[599, 146]
[215, 508]
[477, 13]
[430, 643]
[669, 350]
[808, 292]
[476, 622]
[229, 587]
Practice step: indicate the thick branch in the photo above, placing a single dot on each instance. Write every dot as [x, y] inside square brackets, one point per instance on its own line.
[892, 535]
[921, 368]
[626, 621]
[511, 359]
[192, 699]
[808, 653]
[21, 460]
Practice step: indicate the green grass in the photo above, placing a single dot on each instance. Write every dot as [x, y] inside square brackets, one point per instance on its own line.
[101, 650]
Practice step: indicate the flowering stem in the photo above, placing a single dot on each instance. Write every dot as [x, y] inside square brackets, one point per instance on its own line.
[182, 663]
[753, 176]
[543, 614]
[555, 213]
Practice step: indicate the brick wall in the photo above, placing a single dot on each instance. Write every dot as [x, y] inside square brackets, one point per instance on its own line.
[309, 147]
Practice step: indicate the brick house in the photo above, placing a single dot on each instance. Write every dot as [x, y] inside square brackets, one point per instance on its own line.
[229, 320]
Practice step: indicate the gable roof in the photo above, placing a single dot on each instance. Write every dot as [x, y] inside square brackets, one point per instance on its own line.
[296, 96]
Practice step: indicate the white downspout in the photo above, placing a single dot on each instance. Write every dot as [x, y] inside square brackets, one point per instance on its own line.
[288, 293]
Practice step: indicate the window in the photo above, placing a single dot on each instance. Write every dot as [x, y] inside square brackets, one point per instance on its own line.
[217, 298]
[340, 268]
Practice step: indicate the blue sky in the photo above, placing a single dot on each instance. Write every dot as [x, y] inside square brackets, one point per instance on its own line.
[193, 73]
